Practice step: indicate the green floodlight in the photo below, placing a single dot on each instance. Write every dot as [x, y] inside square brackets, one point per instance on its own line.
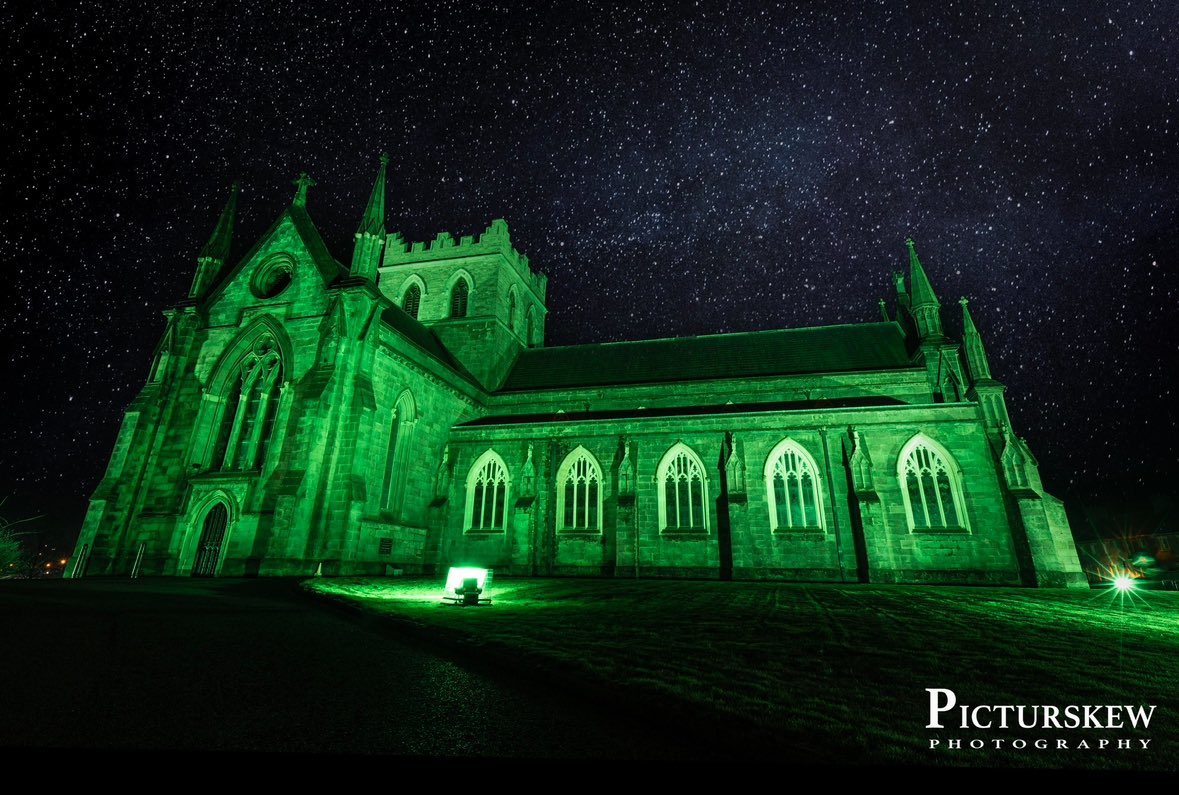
[456, 575]
[467, 585]
[1124, 583]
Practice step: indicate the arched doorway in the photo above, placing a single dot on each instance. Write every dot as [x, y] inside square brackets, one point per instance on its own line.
[208, 551]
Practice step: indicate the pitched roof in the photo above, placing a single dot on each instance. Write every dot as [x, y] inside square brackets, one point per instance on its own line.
[683, 411]
[848, 348]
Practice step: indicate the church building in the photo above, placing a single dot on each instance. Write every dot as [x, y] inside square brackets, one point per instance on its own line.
[402, 413]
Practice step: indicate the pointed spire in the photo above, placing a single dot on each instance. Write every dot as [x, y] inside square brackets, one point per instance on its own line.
[370, 235]
[373, 222]
[972, 346]
[923, 303]
[302, 183]
[216, 251]
[922, 290]
[218, 246]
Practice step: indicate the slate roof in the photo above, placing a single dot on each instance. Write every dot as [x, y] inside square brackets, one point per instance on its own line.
[681, 411]
[827, 349]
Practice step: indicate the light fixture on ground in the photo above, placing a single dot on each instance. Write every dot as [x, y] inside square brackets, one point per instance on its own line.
[1124, 583]
[466, 586]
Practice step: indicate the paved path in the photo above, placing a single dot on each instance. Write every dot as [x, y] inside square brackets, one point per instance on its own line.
[252, 665]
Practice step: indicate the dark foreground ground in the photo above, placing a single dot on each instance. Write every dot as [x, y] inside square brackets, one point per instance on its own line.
[835, 674]
[256, 665]
[198, 672]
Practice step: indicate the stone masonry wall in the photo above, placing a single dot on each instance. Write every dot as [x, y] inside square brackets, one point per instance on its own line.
[893, 553]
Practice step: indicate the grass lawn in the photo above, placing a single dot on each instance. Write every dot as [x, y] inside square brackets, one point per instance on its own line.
[838, 670]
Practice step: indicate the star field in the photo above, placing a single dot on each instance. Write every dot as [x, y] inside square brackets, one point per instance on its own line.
[674, 169]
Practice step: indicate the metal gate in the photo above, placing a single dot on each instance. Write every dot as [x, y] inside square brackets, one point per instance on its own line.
[208, 550]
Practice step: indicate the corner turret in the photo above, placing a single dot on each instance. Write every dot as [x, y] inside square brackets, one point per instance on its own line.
[215, 252]
[919, 314]
[923, 303]
[972, 347]
[370, 235]
[984, 389]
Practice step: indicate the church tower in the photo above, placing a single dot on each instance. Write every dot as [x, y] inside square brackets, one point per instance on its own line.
[478, 295]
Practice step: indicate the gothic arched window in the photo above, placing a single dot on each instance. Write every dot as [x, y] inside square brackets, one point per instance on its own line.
[683, 491]
[792, 489]
[512, 311]
[487, 494]
[413, 301]
[931, 485]
[396, 460]
[251, 403]
[528, 328]
[458, 298]
[579, 493]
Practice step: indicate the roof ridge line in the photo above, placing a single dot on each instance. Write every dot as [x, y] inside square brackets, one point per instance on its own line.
[714, 335]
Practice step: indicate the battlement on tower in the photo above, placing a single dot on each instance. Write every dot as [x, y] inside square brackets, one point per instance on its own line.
[495, 240]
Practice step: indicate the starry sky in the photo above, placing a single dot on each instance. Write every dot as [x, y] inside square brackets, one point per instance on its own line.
[675, 169]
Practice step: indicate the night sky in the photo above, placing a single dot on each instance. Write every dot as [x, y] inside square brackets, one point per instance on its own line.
[674, 169]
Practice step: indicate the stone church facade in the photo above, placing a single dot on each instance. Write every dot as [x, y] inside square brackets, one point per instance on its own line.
[403, 413]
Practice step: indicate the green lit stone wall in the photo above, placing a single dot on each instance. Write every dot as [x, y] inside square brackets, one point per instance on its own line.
[888, 551]
[316, 500]
[437, 407]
